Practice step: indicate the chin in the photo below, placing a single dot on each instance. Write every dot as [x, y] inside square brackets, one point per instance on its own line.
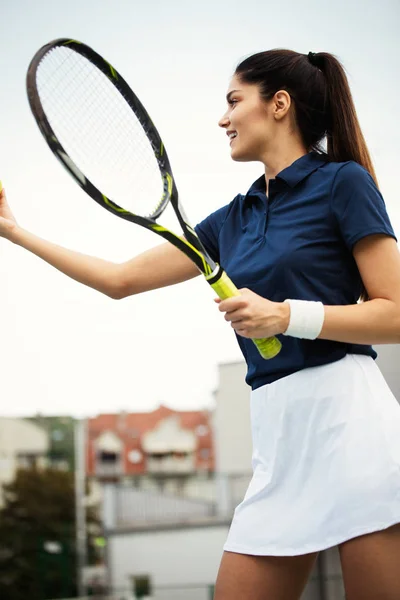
[242, 157]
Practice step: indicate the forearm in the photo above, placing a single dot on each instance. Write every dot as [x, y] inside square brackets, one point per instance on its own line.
[374, 322]
[94, 272]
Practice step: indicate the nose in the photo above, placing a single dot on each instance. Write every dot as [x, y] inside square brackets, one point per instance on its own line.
[224, 120]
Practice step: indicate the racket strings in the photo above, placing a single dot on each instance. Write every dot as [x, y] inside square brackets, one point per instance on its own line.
[109, 129]
[99, 131]
[96, 115]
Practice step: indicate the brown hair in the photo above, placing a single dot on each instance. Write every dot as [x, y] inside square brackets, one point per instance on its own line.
[324, 107]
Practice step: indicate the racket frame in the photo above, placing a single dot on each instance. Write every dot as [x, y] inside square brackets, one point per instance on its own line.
[190, 244]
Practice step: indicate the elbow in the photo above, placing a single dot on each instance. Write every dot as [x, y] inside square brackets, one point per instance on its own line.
[113, 287]
[121, 284]
[117, 292]
[119, 288]
[113, 283]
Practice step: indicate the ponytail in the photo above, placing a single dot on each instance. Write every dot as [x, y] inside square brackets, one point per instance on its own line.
[344, 136]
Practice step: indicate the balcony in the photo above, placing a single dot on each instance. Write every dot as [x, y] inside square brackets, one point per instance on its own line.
[108, 465]
[108, 470]
[170, 465]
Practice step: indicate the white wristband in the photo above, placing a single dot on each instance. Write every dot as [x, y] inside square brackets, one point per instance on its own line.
[306, 319]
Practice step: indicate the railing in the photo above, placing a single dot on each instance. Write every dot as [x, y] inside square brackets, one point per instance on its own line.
[134, 507]
[174, 501]
[171, 465]
[108, 469]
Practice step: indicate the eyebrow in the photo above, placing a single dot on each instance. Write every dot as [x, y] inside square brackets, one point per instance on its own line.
[229, 94]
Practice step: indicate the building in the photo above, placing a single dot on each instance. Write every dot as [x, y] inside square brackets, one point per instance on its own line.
[389, 361]
[60, 432]
[160, 445]
[23, 445]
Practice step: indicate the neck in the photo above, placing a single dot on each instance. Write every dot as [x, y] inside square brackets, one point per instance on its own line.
[281, 157]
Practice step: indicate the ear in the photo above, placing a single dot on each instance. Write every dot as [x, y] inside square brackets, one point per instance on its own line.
[281, 104]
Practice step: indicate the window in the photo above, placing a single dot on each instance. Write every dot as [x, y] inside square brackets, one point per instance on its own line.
[27, 461]
[108, 457]
[135, 456]
[141, 586]
[57, 435]
[202, 430]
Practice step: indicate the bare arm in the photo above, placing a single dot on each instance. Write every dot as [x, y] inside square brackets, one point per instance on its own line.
[159, 267]
[378, 320]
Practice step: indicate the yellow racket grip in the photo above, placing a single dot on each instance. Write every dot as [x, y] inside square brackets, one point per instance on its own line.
[1, 187]
[225, 288]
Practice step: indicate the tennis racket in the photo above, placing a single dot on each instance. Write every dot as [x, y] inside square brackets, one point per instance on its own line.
[102, 134]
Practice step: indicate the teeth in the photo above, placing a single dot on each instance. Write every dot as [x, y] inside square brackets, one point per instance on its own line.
[232, 135]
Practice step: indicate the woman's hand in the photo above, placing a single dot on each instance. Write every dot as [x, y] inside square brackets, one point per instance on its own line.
[253, 316]
[7, 220]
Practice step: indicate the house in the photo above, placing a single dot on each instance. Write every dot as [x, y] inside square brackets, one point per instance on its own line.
[60, 431]
[23, 444]
[161, 444]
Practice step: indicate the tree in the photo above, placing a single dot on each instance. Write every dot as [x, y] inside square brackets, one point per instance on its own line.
[37, 536]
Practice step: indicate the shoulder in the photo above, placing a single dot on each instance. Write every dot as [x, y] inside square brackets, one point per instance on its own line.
[350, 173]
[219, 216]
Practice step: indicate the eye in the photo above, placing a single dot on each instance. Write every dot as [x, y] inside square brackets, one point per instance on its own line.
[232, 101]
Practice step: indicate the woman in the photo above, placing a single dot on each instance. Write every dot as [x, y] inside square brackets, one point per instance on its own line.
[309, 239]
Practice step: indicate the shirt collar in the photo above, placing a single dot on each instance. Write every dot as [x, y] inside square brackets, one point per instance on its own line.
[294, 173]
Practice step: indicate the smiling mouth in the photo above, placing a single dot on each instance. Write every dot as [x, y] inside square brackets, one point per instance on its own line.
[232, 136]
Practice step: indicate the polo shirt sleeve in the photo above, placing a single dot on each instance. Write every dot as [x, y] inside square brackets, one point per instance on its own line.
[208, 231]
[358, 205]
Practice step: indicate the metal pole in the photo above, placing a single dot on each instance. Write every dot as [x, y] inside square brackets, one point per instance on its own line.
[80, 505]
[321, 567]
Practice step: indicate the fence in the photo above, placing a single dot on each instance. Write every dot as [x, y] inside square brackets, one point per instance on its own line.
[194, 497]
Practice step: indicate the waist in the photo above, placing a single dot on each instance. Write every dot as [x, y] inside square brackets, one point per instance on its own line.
[299, 355]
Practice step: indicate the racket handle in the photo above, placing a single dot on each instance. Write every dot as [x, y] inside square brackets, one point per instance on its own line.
[225, 288]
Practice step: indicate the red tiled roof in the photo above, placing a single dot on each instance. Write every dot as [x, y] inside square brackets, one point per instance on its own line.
[130, 427]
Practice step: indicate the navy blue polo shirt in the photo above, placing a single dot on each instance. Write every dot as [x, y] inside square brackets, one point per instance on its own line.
[297, 243]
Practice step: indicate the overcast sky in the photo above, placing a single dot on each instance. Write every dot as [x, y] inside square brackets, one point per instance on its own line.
[66, 349]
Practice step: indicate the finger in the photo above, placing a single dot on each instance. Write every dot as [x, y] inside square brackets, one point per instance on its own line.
[238, 328]
[237, 325]
[242, 333]
[231, 304]
[233, 315]
[217, 300]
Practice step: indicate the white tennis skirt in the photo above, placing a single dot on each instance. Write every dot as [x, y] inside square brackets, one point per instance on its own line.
[326, 461]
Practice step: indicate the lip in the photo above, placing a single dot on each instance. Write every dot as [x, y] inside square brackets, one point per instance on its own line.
[229, 132]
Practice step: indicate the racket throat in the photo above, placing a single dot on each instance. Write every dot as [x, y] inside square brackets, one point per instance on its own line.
[221, 284]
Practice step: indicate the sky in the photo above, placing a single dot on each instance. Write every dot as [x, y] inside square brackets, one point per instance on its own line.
[66, 349]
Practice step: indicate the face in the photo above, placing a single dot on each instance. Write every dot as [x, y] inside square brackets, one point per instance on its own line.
[249, 121]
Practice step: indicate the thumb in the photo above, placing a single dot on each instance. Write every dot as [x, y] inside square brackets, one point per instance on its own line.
[3, 198]
[217, 300]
